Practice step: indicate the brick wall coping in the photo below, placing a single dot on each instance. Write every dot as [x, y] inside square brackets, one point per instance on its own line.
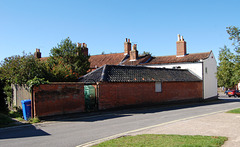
[65, 83]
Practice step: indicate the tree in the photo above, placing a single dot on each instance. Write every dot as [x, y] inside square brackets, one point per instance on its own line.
[228, 73]
[3, 104]
[234, 33]
[19, 69]
[225, 68]
[67, 62]
[145, 53]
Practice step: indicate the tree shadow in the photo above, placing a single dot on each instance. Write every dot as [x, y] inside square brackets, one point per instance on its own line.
[21, 132]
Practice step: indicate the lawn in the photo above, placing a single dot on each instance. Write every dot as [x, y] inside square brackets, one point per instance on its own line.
[234, 111]
[154, 140]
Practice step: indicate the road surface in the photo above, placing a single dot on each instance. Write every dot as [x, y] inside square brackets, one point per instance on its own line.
[80, 130]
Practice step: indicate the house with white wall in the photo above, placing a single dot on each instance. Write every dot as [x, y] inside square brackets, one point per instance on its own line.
[203, 65]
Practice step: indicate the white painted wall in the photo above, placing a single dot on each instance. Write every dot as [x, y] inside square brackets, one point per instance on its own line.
[209, 78]
[199, 69]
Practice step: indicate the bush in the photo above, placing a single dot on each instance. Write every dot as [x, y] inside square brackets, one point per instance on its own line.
[3, 99]
[5, 120]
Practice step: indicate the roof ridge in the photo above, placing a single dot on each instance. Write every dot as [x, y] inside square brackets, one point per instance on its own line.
[187, 54]
[92, 71]
[106, 54]
[145, 67]
[102, 78]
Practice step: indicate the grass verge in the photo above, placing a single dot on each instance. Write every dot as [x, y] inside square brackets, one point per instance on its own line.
[15, 118]
[5, 121]
[156, 140]
[234, 111]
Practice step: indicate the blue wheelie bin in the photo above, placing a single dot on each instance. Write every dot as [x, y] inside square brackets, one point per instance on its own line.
[26, 107]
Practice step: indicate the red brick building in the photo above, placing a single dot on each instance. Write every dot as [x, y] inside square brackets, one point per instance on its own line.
[123, 79]
[121, 86]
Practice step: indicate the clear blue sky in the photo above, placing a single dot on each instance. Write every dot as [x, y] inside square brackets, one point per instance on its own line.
[104, 25]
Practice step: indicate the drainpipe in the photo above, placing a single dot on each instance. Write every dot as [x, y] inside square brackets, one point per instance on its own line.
[32, 103]
[97, 94]
[203, 81]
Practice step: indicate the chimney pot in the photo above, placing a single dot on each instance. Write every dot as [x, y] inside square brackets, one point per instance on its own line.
[79, 45]
[178, 37]
[182, 38]
[134, 47]
[128, 40]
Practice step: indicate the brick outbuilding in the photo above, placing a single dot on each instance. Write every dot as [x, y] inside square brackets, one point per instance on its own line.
[121, 86]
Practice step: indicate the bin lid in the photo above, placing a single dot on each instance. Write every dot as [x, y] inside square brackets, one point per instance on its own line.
[25, 101]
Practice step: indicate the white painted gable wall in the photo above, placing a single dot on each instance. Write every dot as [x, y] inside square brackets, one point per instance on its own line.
[198, 69]
[210, 79]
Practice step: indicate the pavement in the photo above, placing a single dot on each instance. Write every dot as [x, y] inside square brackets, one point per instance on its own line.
[219, 124]
[214, 124]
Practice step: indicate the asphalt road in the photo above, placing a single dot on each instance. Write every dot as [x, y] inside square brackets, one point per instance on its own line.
[80, 130]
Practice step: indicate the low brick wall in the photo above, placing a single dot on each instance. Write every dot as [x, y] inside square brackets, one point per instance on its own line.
[58, 98]
[112, 95]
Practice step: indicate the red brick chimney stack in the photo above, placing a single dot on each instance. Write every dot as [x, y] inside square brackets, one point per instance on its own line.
[127, 47]
[181, 47]
[134, 53]
[84, 48]
[37, 54]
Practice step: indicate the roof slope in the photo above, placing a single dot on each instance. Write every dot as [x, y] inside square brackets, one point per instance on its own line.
[100, 60]
[140, 60]
[117, 73]
[174, 59]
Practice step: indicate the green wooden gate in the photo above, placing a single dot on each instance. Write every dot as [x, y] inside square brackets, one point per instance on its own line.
[90, 98]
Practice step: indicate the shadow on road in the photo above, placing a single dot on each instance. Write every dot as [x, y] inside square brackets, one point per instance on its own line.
[112, 114]
[21, 132]
[33, 131]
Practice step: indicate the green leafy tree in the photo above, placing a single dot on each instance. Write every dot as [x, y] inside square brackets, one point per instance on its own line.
[144, 53]
[234, 34]
[228, 73]
[225, 68]
[3, 97]
[19, 69]
[67, 62]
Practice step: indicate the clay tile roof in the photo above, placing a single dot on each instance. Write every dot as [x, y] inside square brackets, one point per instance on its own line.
[100, 60]
[118, 73]
[173, 59]
[44, 58]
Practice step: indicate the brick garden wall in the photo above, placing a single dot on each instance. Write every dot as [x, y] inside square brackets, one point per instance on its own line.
[113, 95]
[58, 98]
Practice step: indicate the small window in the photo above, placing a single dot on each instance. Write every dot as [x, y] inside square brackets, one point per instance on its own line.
[158, 87]
[206, 70]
